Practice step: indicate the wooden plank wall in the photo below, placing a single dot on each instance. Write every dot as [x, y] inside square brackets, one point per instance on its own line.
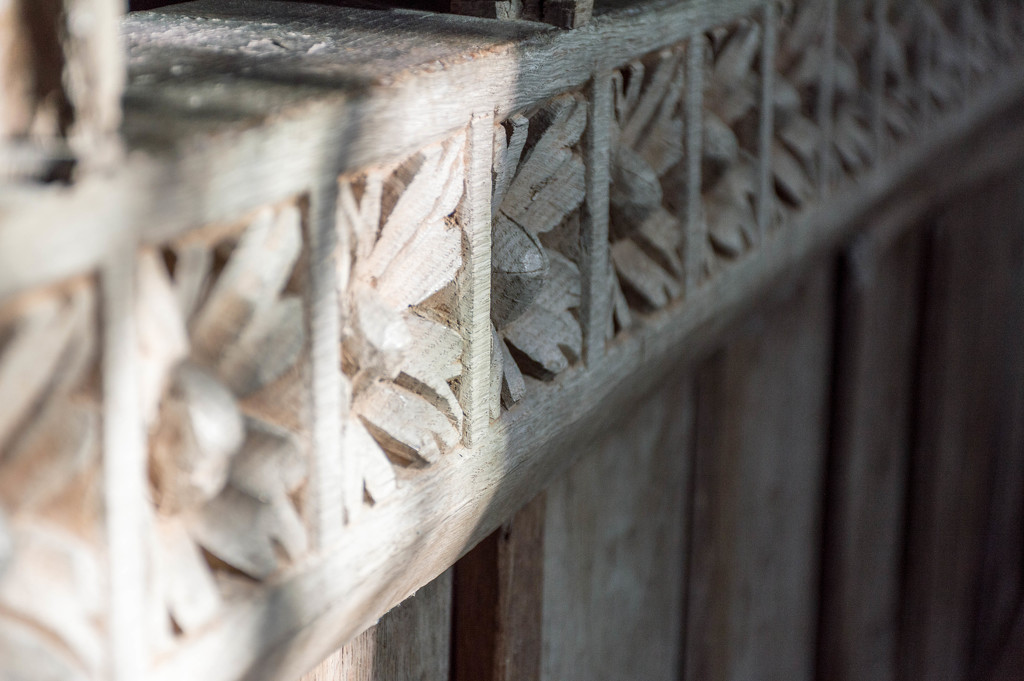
[761, 434]
[836, 494]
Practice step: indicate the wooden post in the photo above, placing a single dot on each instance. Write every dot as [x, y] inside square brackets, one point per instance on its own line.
[125, 477]
[498, 598]
[61, 76]
[871, 441]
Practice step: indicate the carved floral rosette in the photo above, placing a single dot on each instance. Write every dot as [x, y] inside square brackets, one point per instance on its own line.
[399, 271]
[648, 176]
[224, 391]
[538, 188]
[52, 558]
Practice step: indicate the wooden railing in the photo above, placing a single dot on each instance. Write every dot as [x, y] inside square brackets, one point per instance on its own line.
[352, 282]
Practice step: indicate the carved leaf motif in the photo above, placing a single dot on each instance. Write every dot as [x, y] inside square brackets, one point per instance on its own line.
[538, 188]
[222, 332]
[400, 343]
[51, 601]
[648, 135]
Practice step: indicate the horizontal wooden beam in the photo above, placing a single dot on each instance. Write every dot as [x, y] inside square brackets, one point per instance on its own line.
[446, 509]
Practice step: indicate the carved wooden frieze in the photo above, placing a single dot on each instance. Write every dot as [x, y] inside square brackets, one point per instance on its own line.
[538, 188]
[52, 561]
[729, 158]
[221, 327]
[401, 341]
[648, 178]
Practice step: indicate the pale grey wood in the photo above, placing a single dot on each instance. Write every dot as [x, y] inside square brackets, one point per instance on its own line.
[462, 498]
[595, 304]
[762, 429]
[62, 70]
[321, 310]
[475, 280]
[877, 343]
[232, 166]
[409, 643]
[125, 476]
[614, 548]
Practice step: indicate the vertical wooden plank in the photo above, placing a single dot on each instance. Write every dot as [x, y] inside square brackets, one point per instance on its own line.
[328, 474]
[695, 243]
[595, 306]
[966, 471]
[613, 550]
[410, 643]
[762, 420]
[498, 600]
[475, 282]
[125, 472]
[871, 440]
[61, 76]
[765, 178]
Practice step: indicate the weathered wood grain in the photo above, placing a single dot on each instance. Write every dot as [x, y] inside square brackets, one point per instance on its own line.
[965, 474]
[62, 70]
[409, 643]
[871, 439]
[762, 429]
[287, 628]
[614, 542]
[498, 600]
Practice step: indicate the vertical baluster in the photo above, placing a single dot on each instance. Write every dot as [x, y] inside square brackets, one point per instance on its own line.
[879, 12]
[826, 99]
[696, 231]
[595, 306]
[124, 466]
[330, 474]
[765, 185]
[475, 287]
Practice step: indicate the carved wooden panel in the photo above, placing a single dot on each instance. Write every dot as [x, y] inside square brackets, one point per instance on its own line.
[402, 344]
[224, 394]
[538, 188]
[52, 557]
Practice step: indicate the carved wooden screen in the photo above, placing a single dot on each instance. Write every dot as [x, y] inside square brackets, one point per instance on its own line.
[348, 286]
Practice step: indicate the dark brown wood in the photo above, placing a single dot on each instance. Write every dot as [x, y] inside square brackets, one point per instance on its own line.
[966, 476]
[614, 548]
[498, 596]
[871, 439]
[761, 440]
